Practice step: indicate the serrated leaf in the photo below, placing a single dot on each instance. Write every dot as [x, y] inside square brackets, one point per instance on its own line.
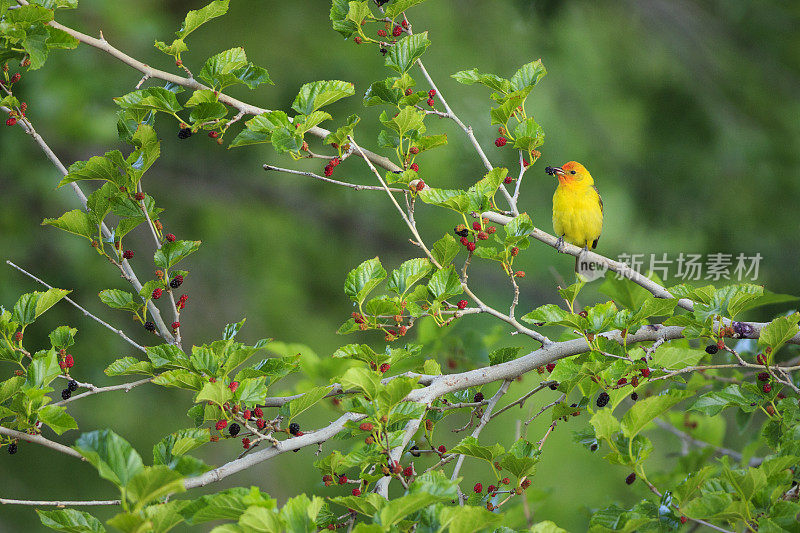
[644, 411]
[362, 379]
[114, 458]
[76, 221]
[406, 51]
[363, 279]
[407, 274]
[195, 18]
[57, 418]
[503, 355]
[152, 484]
[305, 402]
[779, 331]
[315, 95]
[470, 446]
[445, 283]
[173, 252]
[445, 249]
[528, 135]
[70, 521]
[528, 75]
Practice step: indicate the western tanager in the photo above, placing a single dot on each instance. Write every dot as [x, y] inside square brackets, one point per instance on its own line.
[577, 206]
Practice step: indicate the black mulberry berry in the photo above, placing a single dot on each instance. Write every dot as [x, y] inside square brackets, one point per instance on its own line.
[602, 399]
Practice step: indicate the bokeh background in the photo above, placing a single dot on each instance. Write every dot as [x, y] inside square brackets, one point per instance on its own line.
[686, 112]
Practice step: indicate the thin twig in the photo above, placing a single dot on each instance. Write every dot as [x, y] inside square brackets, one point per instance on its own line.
[83, 310]
[99, 390]
[59, 503]
[355, 186]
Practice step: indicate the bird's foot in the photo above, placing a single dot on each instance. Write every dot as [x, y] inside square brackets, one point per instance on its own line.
[560, 245]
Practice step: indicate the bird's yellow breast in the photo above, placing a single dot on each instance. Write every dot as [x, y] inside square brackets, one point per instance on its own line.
[577, 214]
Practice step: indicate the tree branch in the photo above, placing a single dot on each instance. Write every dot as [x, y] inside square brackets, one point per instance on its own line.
[59, 503]
[38, 439]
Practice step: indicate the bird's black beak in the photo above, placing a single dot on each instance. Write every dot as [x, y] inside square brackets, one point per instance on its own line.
[554, 171]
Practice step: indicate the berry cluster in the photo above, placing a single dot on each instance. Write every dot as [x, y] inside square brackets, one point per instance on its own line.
[331, 165]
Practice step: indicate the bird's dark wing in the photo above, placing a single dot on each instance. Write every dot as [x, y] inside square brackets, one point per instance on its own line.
[598, 197]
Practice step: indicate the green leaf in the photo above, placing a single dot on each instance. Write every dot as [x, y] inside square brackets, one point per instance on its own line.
[399, 6]
[35, 44]
[519, 226]
[177, 47]
[362, 279]
[445, 283]
[76, 221]
[152, 98]
[624, 292]
[167, 355]
[779, 331]
[399, 508]
[468, 519]
[644, 411]
[251, 390]
[367, 504]
[60, 40]
[494, 82]
[315, 95]
[180, 378]
[674, 358]
[470, 446]
[42, 370]
[300, 513]
[604, 424]
[57, 418]
[153, 483]
[32, 305]
[114, 458]
[357, 12]
[217, 392]
[521, 459]
[503, 355]
[70, 521]
[305, 402]
[454, 199]
[119, 299]
[339, 136]
[445, 249]
[179, 443]
[339, 20]
[528, 75]
[173, 252]
[195, 18]
[713, 402]
[208, 111]
[528, 135]
[306, 122]
[406, 51]
[407, 274]
[228, 504]
[230, 68]
[383, 93]
[362, 379]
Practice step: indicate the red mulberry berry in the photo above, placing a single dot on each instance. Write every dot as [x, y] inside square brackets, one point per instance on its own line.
[69, 361]
[127, 254]
[245, 443]
[357, 491]
[170, 237]
[525, 483]
[397, 31]
[761, 359]
[622, 381]
[15, 78]
[442, 449]
[508, 180]
[11, 121]
[478, 488]
[505, 481]
[156, 294]
[385, 368]
[500, 142]
[431, 102]
[645, 372]
[342, 480]
[221, 424]
[462, 304]
[763, 376]
[260, 423]
[328, 170]
[409, 471]
[413, 150]
[471, 246]
[482, 235]
[514, 251]
[258, 412]
[381, 33]
[420, 185]
[491, 230]
[233, 386]
[366, 426]
[519, 274]
[432, 93]
[766, 388]
[139, 196]
[414, 167]
[684, 519]
[550, 367]
[247, 414]
[176, 325]
[357, 39]
[464, 241]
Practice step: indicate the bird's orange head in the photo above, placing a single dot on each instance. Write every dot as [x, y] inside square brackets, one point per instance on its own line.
[572, 173]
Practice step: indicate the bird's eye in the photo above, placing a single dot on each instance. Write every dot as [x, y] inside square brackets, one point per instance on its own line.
[573, 172]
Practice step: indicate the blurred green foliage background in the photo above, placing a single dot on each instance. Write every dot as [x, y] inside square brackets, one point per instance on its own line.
[686, 113]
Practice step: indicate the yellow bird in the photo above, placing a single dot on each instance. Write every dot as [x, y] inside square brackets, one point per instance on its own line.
[577, 207]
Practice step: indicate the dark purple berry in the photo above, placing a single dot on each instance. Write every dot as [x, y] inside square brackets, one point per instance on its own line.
[478, 397]
[72, 385]
[712, 349]
[634, 396]
[65, 394]
[176, 281]
[294, 428]
[631, 478]
[234, 429]
[149, 326]
[602, 399]
[12, 448]
[185, 133]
